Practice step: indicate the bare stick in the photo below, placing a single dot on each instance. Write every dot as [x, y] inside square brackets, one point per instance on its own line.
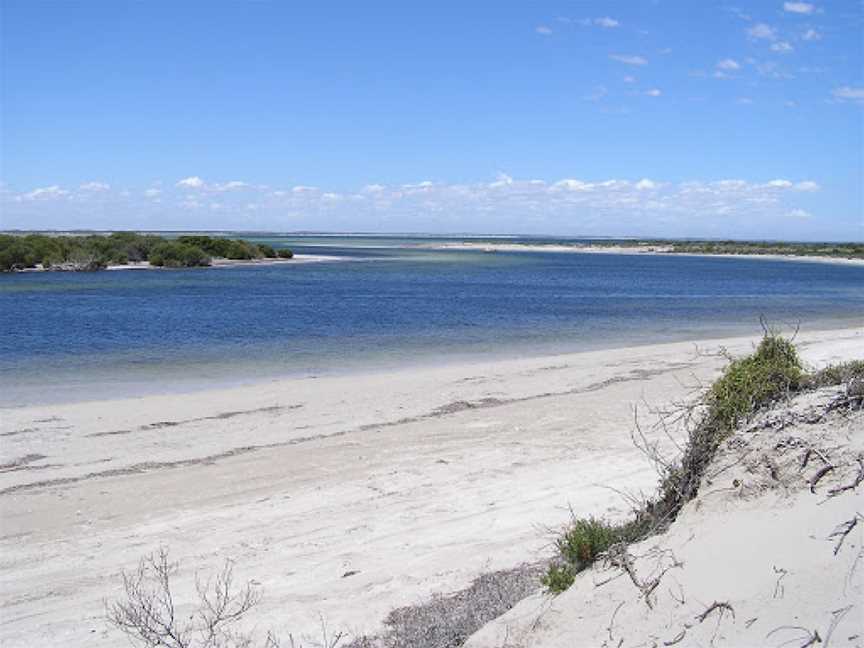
[858, 479]
[819, 475]
[842, 531]
[716, 605]
[612, 621]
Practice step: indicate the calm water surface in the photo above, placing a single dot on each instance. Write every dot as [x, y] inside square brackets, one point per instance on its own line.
[108, 334]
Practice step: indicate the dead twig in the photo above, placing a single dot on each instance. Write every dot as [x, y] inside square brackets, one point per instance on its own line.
[855, 483]
[716, 605]
[819, 475]
[843, 529]
[779, 590]
[612, 621]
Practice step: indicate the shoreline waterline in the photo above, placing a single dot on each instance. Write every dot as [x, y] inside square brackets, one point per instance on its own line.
[100, 391]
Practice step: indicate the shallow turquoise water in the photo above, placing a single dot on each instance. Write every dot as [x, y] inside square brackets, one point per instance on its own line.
[69, 336]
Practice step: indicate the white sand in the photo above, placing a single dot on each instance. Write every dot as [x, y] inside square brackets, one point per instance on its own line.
[301, 481]
[581, 248]
[232, 263]
[761, 538]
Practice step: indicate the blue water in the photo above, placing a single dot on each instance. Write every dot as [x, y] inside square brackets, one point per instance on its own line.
[107, 334]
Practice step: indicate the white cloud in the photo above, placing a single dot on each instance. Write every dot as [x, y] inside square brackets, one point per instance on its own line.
[783, 47]
[807, 185]
[230, 186]
[629, 79]
[848, 93]
[606, 22]
[192, 182]
[543, 30]
[799, 213]
[762, 31]
[94, 186]
[54, 191]
[744, 101]
[504, 202]
[628, 59]
[571, 184]
[503, 180]
[811, 35]
[798, 7]
[653, 92]
[728, 64]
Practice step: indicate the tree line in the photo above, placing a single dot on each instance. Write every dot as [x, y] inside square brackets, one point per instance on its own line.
[96, 252]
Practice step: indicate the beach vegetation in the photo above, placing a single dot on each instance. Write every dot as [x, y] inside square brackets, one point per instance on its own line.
[837, 374]
[844, 250]
[149, 616]
[285, 253]
[97, 251]
[174, 254]
[773, 371]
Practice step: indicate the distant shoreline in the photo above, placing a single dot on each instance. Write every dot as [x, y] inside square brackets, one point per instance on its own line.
[653, 250]
[299, 259]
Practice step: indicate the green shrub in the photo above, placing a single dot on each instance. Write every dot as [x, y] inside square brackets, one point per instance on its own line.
[267, 251]
[18, 255]
[173, 254]
[746, 385]
[285, 253]
[837, 374]
[753, 382]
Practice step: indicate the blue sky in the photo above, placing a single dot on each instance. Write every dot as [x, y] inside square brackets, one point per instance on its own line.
[644, 117]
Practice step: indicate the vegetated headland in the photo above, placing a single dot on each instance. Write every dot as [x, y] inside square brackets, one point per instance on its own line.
[829, 250]
[98, 251]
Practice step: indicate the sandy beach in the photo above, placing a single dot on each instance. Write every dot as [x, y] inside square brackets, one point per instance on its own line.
[628, 249]
[342, 496]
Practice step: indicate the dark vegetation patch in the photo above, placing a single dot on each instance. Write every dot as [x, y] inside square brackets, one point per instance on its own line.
[838, 374]
[97, 251]
[446, 621]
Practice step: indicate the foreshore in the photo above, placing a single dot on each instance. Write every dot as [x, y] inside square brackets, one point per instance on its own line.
[218, 263]
[342, 496]
[629, 249]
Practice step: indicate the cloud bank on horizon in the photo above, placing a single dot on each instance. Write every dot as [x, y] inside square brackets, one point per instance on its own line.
[644, 118]
[507, 205]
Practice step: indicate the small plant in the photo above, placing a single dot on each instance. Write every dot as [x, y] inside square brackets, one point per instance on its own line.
[752, 382]
[837, 374]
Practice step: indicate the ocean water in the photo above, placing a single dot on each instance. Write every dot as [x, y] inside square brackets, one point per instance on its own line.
[385, 304]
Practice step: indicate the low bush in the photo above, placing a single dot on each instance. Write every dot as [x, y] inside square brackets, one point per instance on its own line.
[285, 253]
[173, 254]
[266, 251]
[838, 374]
[747, 384]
